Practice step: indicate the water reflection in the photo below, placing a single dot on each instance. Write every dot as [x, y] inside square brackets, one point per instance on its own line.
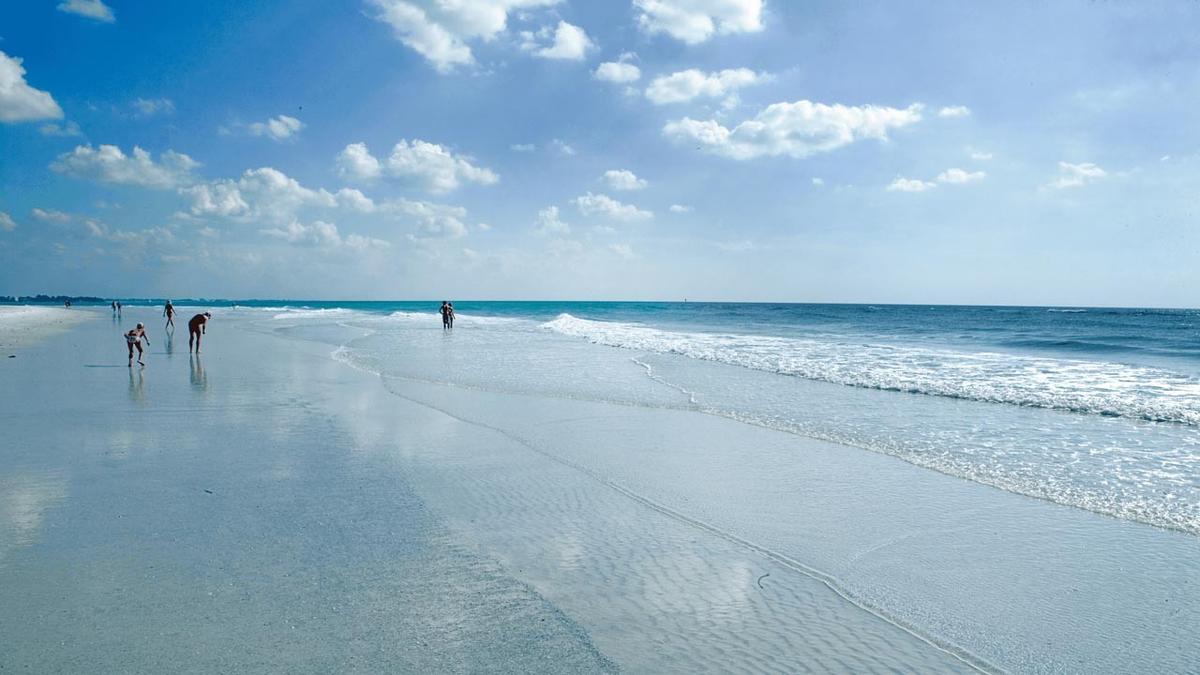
[24, 499]
[170, 341]
[137, 385]
[199, 378]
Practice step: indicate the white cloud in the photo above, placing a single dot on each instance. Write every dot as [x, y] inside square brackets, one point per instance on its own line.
[695, 21]
[979, 156]
[262, 195]
[434, 221]
[602, 204]
[623, 179]
[686, 85]
[349, 198]
[51, 216]
[148, 107]
[818, 181]
[959, 176]
[910, 185]
[564, 148]
[92, 9]
[6, 222]
[439, 30]
[736, 246]
[954, 111]
[622, 250]
[796, 130]
[620, 71]
[355, 161]
[1075, 175]
[277, 128]
[108, 164]
[322, 234]
[570, 42]
[522, 147]
[62, 130]
[549, 222]
[680, 208]
[20, 102]
[436, 168]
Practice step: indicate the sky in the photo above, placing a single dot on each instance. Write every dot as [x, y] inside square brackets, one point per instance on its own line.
[735, 150]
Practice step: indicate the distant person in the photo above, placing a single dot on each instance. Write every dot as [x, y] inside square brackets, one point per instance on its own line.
[134, 339]
[67, 303]
[118, 308]
[196, 328]
[114, 307]
[446, 314]
[169, 312]
[450, 306]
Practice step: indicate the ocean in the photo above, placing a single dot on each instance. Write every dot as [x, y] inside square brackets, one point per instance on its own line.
[1093, 408]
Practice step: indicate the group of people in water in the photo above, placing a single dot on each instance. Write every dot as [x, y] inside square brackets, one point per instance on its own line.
[447, 312]
[197, 327]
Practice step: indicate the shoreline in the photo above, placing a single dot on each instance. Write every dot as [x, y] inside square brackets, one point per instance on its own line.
[412, 525]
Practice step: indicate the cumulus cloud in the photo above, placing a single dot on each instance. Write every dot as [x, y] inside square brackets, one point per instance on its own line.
[623, 179]
[695, 21]
[148, 107]
[954, 111]
[620, 71]
[434, 167]
[20, 102]
[279, 128]
[6, 222]
[566, 41]
[689, 84]
[959, 176]
[355, 161]
[51, 216]
[549, 222]
[1075, 175]
[796, 130]
[433, 221]
[601, 204]
[92, 9]
[262, 194]
[322, 234]
[910, 185]
[440, 31]
[818, 182]
[564, 148]
[67, 130]
[108, 164]
[680, 208]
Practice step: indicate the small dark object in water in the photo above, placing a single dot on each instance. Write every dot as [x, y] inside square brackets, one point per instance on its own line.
[12, 356]
[761, 578]
[208, 491]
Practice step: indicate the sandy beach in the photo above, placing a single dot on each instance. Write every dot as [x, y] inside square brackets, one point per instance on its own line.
[24, 325]
[265, 507]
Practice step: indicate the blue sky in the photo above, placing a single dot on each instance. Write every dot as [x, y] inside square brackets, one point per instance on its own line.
[939, 152]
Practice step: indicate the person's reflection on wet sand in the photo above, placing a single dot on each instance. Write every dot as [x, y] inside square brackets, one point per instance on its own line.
[170, 342]
[137, 385]
[199, 379]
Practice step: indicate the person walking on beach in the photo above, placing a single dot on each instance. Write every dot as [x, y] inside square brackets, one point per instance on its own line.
[114, 307]
[196, 329]
[118, 308]
[134, 339]
[169, 312]
[447, 315]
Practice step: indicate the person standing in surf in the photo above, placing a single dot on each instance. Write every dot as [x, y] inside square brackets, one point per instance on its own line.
[196, 328]
[134, 339]
[447, 315]
[169, 312]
